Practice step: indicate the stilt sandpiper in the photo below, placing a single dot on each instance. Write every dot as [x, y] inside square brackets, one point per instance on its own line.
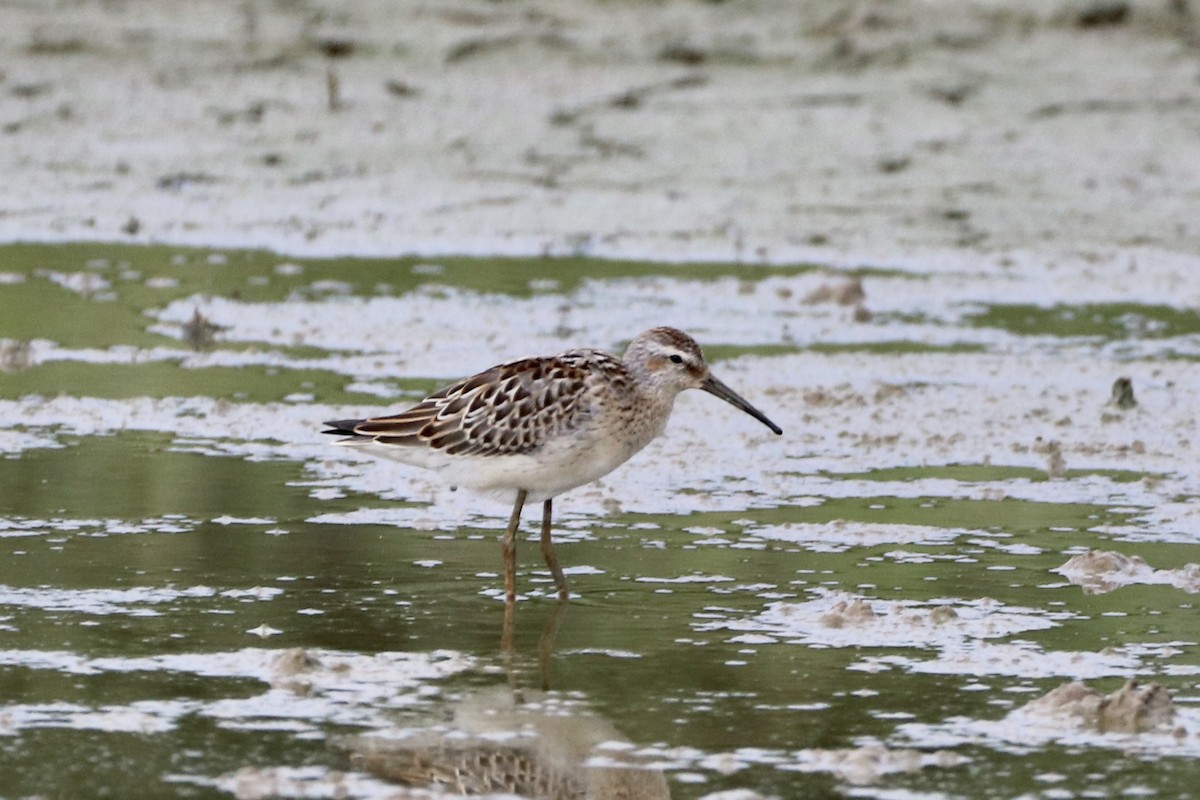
[541, 426]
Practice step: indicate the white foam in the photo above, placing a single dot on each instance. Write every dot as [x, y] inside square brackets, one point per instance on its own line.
[304, 688]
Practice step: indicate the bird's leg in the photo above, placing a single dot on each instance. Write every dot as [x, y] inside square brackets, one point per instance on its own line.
[548, 552]
[508, 547]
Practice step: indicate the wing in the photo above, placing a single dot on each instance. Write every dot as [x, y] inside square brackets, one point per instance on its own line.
[510, 409]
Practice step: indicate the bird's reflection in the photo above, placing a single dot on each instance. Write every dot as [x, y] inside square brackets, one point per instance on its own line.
[536, 744]
[530, 743]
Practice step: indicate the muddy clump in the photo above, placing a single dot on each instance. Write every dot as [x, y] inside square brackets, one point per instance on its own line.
[1102, 571]
[866, 765]
[1133, 708]
[847, 613]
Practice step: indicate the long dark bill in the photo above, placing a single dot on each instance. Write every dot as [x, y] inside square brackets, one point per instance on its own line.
[715, 387]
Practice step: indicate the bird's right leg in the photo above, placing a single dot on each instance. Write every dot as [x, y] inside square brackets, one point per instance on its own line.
[548, 553]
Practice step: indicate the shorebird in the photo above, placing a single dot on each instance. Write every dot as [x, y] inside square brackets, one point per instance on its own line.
[542, 426]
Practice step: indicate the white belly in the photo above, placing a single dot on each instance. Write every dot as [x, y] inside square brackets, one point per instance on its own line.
[560, 465]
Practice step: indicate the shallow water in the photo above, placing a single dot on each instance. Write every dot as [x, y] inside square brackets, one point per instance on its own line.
[198, 597]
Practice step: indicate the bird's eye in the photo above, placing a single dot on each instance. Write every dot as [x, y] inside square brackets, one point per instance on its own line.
[676, 359]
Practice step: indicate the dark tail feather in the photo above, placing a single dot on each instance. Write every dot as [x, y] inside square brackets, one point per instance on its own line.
[342, 427]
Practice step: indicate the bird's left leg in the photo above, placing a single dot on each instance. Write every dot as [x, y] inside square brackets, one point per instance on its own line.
[508, 547]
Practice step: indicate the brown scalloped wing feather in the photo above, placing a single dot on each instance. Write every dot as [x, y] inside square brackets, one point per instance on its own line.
[511, 409]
